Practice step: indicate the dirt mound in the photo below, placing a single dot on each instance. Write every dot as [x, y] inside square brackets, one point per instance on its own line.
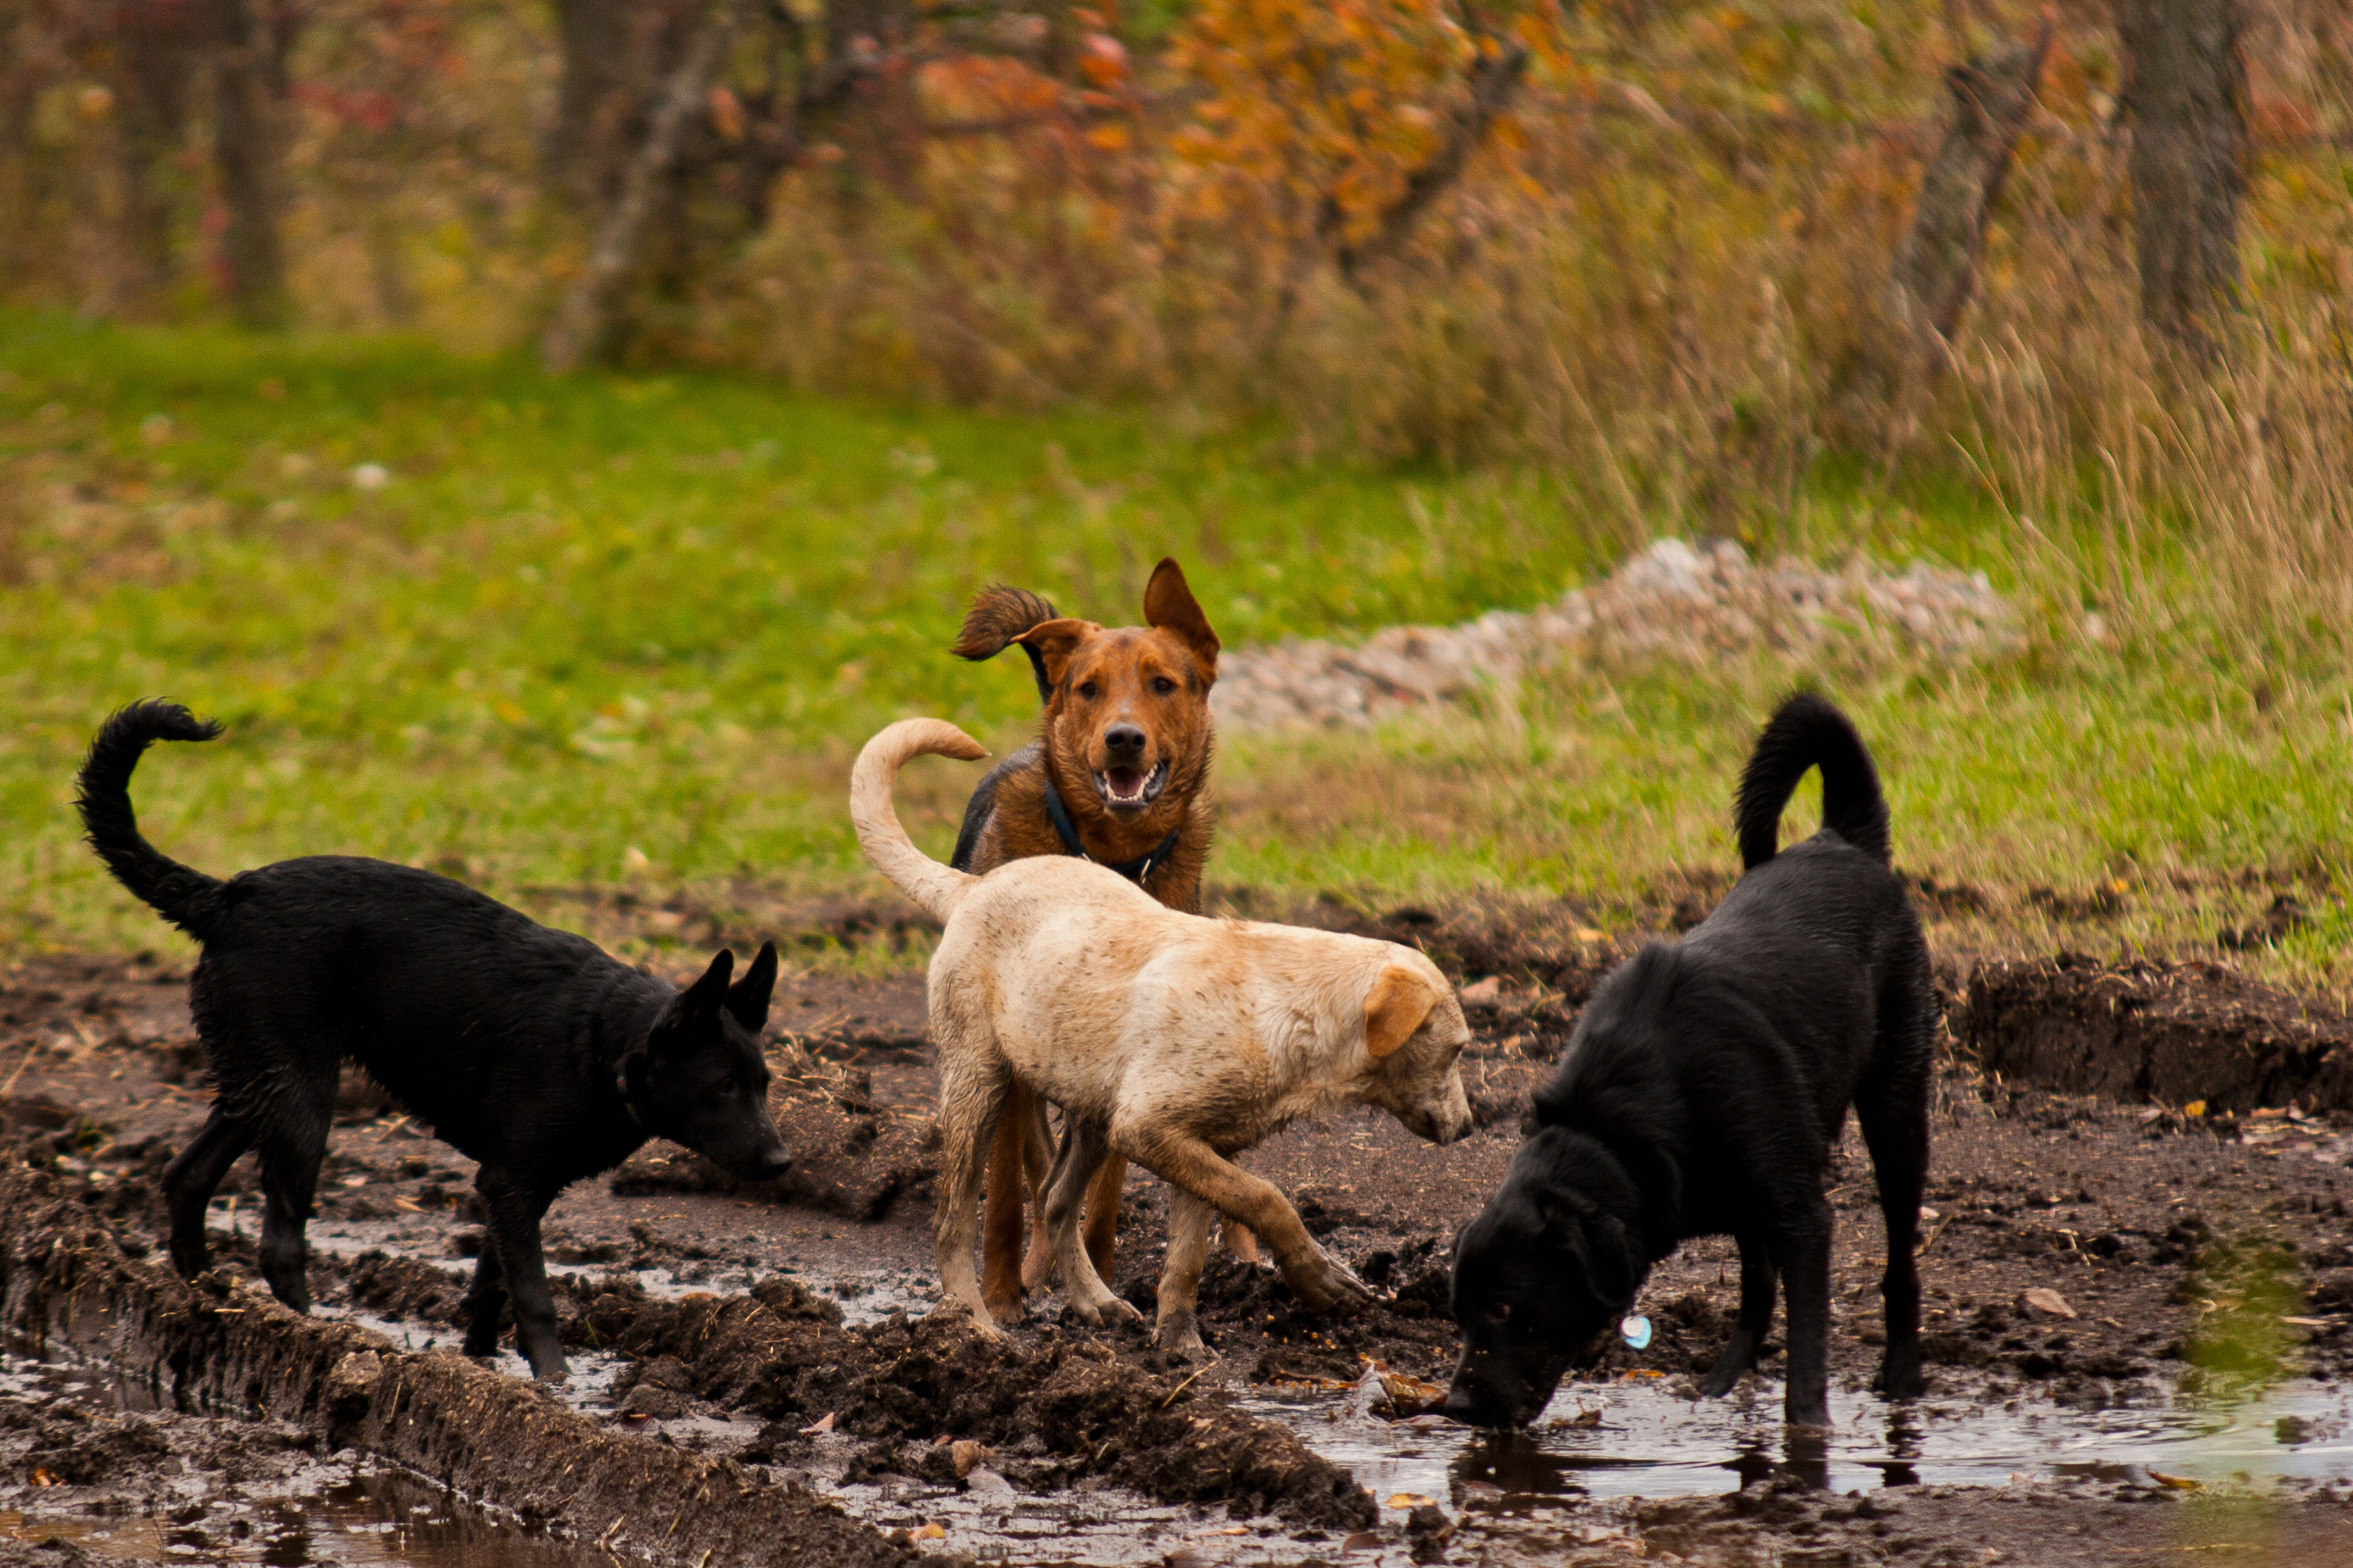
[915, 1383]
[851, 1156]
[2167, 1033]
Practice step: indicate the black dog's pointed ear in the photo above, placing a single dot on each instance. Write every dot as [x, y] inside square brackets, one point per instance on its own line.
[997, 619]
[748, 997]
[697, 1007]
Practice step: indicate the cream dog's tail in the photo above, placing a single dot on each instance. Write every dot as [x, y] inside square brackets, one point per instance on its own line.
[937, 888]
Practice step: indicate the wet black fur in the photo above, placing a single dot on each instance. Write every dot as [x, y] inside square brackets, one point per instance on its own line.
[1701, 1095]
[530, 1050]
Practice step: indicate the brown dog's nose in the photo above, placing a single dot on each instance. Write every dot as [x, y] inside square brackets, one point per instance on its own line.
[1124, 740]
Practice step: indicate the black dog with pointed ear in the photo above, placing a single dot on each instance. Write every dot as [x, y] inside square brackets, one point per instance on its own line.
[529, 1050]
[1701, 1095]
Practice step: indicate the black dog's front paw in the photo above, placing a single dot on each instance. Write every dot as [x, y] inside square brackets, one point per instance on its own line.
[1899, 1377]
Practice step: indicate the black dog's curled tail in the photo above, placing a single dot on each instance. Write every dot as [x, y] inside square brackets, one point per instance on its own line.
[999, 615]
[1805, 732]
[186, 897]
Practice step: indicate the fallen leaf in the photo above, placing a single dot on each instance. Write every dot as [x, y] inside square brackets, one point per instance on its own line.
[2179, 1483]
[1639, 1371]
[966, 1456]
[2195, 1108]
[1410, 1395]
[2047, 1301]
[1409, 1499]
[1363, 1540]
[43, 1478]
[1927, 1212]
[1483, 992]
[933, 1531]
[822, 1423]
[1587, 933]
[636, 1418]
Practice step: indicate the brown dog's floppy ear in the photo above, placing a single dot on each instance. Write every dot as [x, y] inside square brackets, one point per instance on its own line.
[997, 617]
[1400, 999]
[1050, 646]
[1169, 604]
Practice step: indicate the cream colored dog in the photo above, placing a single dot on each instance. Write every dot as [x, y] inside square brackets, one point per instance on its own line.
[1169, 1039]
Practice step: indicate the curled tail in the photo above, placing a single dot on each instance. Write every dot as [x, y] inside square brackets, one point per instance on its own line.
[937, 888]
[1805, 732]
[186, 897]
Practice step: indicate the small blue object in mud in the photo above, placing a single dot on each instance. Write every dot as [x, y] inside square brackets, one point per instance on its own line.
[1637, 1329]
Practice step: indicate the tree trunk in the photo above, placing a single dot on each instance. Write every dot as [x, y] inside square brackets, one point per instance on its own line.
[2186, 90]
[249, 79]
[155, 51]
[1936, 268]
[1492, 81]
[596, 99]
[585, 316]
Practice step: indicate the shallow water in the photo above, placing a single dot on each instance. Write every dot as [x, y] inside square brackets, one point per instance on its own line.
[379, 1517]
[1637, 1438]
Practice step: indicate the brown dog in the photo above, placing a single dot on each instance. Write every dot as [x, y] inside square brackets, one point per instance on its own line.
[1119, 774]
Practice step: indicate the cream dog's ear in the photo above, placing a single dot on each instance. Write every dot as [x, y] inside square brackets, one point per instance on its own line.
[1400, 999]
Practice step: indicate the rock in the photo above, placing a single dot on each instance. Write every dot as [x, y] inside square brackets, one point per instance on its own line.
[1672, 600]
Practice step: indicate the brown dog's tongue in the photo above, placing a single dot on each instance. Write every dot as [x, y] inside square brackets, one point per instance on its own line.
[1125, 783]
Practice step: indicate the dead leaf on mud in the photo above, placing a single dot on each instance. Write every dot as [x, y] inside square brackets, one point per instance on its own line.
[823, 1423]
[1408, 1396]
[1363, 1540]
[2043, 1300]
[966, 1456]
[2179, 1483]
[1410, 1500]
[1482, 994]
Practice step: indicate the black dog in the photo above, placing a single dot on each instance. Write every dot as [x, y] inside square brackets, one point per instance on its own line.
[1702, 1094]
[529, 1050]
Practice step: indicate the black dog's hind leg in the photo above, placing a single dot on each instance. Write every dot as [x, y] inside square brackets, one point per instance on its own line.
[486, 1302]
[1756, 1317]
[1801, 1247]
[1893, 1109]
[516, 1210]
[292, 1147]
[190, 1181]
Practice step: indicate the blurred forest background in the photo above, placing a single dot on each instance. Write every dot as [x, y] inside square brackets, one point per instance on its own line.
[1691, 249]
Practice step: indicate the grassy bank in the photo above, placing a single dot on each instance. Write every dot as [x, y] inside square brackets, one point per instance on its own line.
[627, 631]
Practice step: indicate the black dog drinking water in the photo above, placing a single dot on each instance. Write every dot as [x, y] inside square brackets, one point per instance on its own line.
[529, 1050]
[1701, 1095]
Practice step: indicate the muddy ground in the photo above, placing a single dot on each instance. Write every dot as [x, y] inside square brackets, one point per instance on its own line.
[780, 1330]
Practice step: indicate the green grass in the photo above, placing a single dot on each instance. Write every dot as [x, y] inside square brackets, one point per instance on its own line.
[658, 613]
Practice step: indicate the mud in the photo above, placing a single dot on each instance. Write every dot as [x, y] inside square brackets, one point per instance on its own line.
[773, 1339]
[2168, 1034]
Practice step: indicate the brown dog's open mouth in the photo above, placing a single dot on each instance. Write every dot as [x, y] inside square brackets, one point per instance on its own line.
[1131, 789]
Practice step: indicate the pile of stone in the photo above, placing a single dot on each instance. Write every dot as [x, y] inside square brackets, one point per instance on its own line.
[1671, 600]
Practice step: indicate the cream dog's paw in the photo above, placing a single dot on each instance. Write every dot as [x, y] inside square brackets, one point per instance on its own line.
[1179, 1333]
[1096, 1314]
[1326, 1284]
[982, 1323]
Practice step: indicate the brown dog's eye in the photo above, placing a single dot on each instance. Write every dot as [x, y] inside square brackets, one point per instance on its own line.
[1087, 689]
[1163, 684]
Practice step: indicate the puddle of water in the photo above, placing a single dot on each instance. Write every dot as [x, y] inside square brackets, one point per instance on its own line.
[323, 1512]
[864, 1298]
[1648, 1442]
[381, 1518]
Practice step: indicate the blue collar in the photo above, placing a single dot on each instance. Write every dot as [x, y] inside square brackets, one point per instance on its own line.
[1134, 870]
